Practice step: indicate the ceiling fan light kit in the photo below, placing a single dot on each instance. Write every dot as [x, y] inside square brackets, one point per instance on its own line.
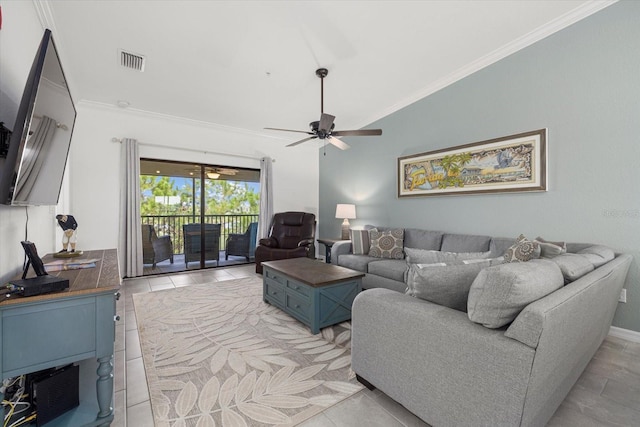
[323, 128]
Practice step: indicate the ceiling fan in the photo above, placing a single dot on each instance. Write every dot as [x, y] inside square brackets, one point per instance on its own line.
[323, 128]
[214, 173]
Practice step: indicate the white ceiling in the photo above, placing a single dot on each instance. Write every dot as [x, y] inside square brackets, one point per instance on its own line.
[247, 65]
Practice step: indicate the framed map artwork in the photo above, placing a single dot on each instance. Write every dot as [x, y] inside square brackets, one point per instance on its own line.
[508, 164]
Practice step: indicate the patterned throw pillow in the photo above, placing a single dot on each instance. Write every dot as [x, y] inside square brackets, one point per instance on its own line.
[359, 242]
[386, 244]
[523, 250]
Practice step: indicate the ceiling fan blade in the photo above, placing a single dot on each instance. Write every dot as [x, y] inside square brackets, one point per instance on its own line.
[338, 143]
[290, 130]
[361, 132]
[326, 120]
[301, 141]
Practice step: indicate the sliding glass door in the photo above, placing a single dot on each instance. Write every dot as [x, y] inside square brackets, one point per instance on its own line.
[197, 216]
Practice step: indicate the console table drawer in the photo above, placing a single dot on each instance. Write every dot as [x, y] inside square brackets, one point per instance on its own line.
[41, 333]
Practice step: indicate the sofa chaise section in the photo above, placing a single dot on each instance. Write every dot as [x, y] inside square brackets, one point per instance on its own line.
[450, 371]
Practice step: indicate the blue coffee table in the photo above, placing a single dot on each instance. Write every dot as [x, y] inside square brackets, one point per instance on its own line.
[315, 293]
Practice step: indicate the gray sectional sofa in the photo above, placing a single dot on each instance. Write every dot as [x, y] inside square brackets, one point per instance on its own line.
[450, 371]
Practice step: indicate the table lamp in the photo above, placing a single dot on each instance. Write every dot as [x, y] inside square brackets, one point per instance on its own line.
[346, 212]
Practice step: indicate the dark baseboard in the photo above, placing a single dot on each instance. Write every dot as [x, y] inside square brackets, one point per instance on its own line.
[365, 383]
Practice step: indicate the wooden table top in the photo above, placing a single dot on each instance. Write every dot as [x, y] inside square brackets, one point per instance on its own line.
[105, 276]
[313, 272]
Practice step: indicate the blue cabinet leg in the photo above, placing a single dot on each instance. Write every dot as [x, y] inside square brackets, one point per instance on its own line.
[104, 387]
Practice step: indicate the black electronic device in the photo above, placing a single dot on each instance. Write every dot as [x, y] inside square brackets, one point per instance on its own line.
[54, 392]
[38, 285]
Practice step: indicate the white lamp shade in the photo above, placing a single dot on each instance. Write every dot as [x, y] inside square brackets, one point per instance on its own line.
[346, 211]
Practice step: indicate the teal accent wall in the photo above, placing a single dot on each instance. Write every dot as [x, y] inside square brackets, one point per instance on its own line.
[582, 84]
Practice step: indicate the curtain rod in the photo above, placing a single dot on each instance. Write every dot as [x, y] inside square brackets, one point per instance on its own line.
[58, 124]
[114, 139]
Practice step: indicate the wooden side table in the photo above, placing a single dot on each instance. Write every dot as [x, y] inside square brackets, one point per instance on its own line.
[328, 243]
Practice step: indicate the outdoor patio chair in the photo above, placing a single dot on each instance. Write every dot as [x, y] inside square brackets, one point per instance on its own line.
[192, 250]
[242, 244]
[155, 249]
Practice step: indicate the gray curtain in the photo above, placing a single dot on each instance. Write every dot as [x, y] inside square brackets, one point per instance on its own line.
[130, 229]
[266, 197]
[34, 155]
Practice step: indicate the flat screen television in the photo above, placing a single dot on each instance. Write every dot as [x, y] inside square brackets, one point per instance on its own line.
[31, 174]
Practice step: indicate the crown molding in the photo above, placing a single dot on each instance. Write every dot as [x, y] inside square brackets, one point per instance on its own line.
[45, 14]
[510, 48]
[175, 119]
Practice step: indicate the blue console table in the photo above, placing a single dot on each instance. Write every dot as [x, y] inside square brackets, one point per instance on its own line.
[315, 293]
[59, 328]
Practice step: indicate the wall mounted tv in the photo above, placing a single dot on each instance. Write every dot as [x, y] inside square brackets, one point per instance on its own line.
[31, 173]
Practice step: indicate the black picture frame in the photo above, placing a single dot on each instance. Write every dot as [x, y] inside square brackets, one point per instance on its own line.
[34, 260]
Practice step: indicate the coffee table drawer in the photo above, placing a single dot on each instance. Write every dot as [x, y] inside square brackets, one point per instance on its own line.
[274, 291]
[275, 277]
[299, 306]
[301, 290]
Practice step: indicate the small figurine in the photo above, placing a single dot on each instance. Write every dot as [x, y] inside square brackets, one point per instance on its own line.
[69, 225]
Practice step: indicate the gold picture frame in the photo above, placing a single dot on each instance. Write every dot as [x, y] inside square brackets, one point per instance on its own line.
[511, 163]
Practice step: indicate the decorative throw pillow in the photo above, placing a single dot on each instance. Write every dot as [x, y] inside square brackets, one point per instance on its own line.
[498, 294]
[522, 250]
[550, 249]
[426, 256]
[443, 284]
[386, 244]
[359, 241]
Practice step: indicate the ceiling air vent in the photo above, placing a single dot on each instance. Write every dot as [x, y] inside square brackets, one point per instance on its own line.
[132, 60]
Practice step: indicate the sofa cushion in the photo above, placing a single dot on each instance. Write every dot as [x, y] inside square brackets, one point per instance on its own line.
[393, 269]
[443, 284]
[550, 249]
[355, 262]
[425, 256]
[499, 293]
[465, 243]
[522, 250]
[386, 244]
[499, 245]
[422, 239]
[573, 266]
[598, 254]
[360, 243]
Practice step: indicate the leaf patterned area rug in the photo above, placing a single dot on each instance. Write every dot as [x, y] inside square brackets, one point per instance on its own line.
[218, 355]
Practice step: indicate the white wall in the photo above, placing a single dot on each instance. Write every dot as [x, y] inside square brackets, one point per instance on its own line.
[95, 163]
[19, 40]
[91, 188]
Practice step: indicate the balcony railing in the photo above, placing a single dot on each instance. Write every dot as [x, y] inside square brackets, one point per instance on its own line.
[171, 225]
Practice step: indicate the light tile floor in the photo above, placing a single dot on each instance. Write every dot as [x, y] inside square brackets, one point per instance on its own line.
[607, 393]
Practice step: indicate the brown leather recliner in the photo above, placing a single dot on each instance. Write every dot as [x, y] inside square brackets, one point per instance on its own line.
[291, 235]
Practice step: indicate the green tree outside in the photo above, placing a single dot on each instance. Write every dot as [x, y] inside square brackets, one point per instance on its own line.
[222, 197]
